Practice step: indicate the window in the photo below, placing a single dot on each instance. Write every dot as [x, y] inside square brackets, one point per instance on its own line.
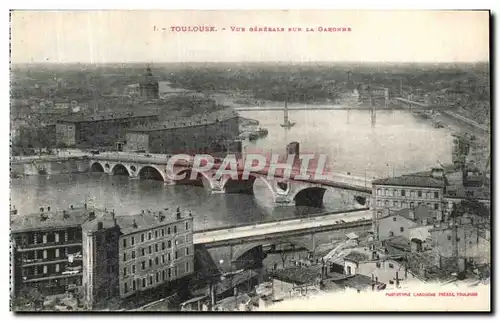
[57, 267]
[377, 264]
[157, 277]
[143, 252]
[150, 262]
[149, 236]
[125, 288]
[124, 242]
[403, 193]
[412, 205]
[187, 226]
[156, 247]
[162, 232]
[403, 204]
[168, 231]
[143, 265]
[419, 193]
[133, 269]
[57, 237]
[176, 255]
[187, 266]
[394, 218]
[379, 191]
[163, 275]
[412, 193]
[176, 242]
[391, 282]
[144, 282]
[436, 194]
[449, 237]
[401, 229]
[132, 242]
[386, 203]
[125, 271]
[175, 229]
[44, 254]
[124, 257]
[157, 261]
[150, 280]
[156, 234]
[133, 286]
[395, 203]
[428, 195]
[436, 206]
[391, 233]
[44, 238]
[45, 269]
[169, 273]
[379, 202]
[142, 237]
[57, 253]
[391, 266]
[187, 250]
[150, 249]
[458, 239]
[163, 259]
[168, 257]
[175, 271]
[162, 245]
[133, 254]
[169, 244]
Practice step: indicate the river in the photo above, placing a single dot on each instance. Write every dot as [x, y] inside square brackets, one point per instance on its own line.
[393, 143]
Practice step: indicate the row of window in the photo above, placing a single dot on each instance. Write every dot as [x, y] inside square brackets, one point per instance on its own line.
[403, 193]
[165, 258]
[404, 204]
[158, 277]
[157, 233]
[149, 250]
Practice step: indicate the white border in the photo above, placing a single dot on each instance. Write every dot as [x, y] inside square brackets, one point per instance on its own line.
[185, 4]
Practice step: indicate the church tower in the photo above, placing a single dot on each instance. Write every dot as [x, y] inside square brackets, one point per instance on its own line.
[149, 87]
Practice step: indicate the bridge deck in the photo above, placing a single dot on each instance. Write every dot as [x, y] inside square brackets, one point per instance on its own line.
[292, 227]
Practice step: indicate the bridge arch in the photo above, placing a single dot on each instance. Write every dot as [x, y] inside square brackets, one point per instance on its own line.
[96, 167]
[242, 186]
[151, 172]
[202, 179]
[309, 196]
[244, 249]
[120, 169]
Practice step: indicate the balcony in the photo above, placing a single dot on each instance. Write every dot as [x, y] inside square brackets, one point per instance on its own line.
[54, 276]
[46, 246]
[33, 262]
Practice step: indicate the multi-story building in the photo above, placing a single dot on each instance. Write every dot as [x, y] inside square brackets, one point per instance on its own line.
[408, 191]
[47, 249]
[202, 133]
[99, 130]
[129, 255]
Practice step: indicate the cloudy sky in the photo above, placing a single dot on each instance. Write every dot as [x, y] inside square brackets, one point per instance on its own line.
[137, 36]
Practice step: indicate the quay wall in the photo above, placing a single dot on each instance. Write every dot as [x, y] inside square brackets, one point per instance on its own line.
[42, 167]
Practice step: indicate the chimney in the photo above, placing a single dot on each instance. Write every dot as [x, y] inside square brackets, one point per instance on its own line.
[412, 214]
[85, 205]
[134, 224]
[71, 206]
[113, 216]
[48, 208]
[41, 209]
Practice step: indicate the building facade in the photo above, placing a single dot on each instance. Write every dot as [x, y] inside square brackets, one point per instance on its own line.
[408, 191]
[100, 130]
[213, 133]
[47, 249]
[142, 252]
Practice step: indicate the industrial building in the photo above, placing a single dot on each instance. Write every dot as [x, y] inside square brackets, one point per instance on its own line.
[213, 133]
[133, 254]
[46, 249]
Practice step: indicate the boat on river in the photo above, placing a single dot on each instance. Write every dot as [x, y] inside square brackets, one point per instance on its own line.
[287, 123]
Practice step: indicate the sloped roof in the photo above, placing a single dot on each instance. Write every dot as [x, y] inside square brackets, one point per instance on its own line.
[411, 180]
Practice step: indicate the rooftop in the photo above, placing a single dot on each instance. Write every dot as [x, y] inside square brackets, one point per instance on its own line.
[356, 281]
[233, 302]
[134, 223]
[50, 219]
[107, 116]
[417, 180]
[298, 275]
[195, 120]
[356, 257]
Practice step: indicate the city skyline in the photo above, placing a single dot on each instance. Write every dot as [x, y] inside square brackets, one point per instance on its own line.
[137, 36]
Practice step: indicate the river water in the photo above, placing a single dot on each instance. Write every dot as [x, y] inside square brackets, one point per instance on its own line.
[391, 143]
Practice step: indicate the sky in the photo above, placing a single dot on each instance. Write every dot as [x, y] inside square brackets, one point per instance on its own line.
[137, 36]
